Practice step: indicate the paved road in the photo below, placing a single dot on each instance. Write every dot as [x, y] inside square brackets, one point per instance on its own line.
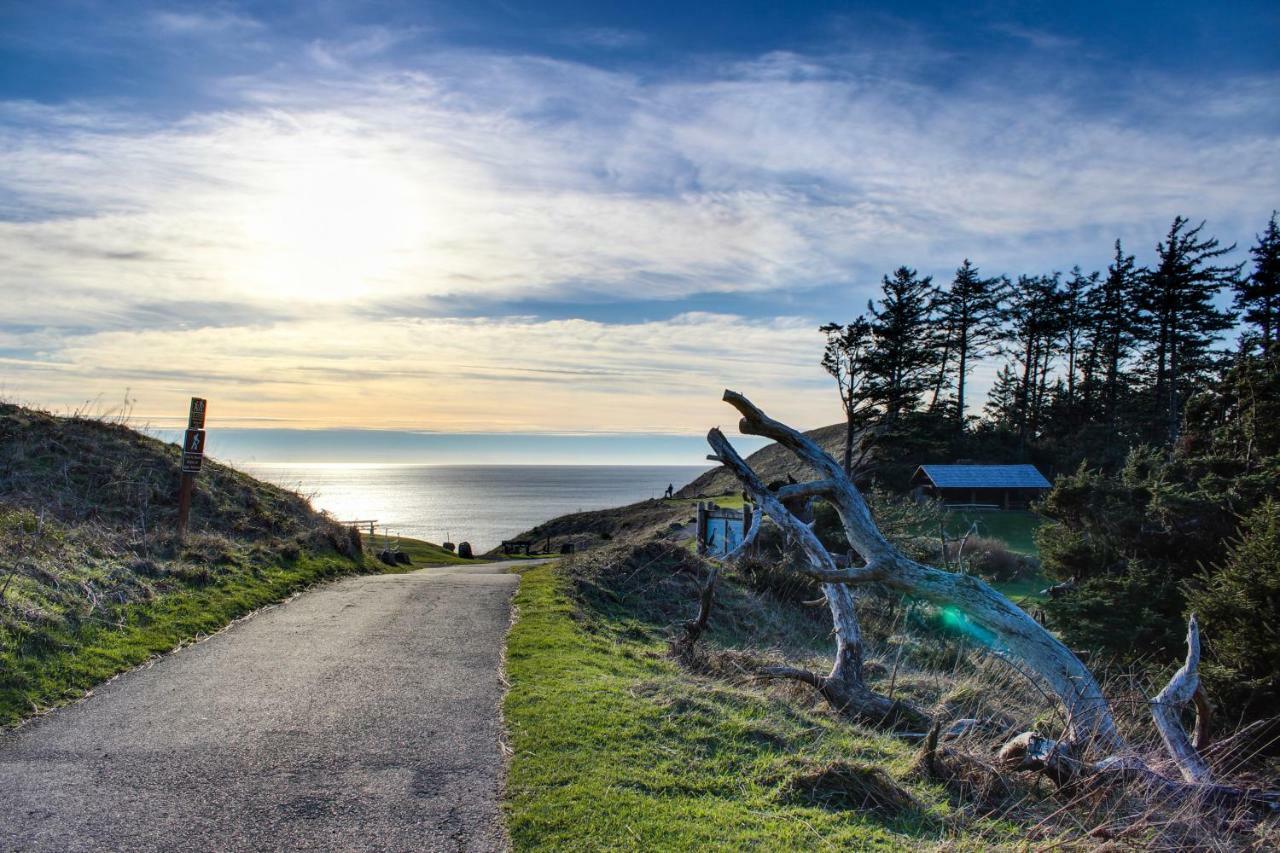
[363, 715]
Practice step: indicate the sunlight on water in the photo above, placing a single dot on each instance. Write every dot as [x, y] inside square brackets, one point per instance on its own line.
[481, 504]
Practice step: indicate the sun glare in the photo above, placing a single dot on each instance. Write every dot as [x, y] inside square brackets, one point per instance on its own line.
[333, 227]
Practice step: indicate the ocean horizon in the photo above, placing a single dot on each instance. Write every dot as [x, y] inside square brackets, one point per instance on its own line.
[480, 504]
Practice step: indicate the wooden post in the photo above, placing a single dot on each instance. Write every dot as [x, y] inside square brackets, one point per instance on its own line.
[702, 527]
[192, 458]
[184, 502]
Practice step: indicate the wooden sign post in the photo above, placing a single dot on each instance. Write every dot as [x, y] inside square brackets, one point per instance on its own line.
[192, 457]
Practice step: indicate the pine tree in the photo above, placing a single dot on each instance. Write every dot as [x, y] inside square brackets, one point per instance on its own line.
[1003, 408]
[1074, 316]
[972, 312]
[1035, 327]
[903, 355]
[1114, 308]
[845, 358]
[1258, 296]
[1183, 322]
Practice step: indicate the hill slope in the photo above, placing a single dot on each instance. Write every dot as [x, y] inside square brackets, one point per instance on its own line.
[771, 463]
[93, 579]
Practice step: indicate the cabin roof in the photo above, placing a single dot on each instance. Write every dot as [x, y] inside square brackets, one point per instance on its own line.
[983, 476]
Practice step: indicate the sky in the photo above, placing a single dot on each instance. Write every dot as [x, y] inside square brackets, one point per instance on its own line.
[570, 225]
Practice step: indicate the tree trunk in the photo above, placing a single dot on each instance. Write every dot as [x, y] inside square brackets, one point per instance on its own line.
[848, 445]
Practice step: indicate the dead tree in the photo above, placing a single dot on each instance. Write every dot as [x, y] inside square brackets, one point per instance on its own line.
[1011, 631]
[1008, 631]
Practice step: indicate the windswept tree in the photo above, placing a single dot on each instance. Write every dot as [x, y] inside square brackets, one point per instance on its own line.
[1036, 326]
[1074, 323]
[1114, 308]
[845, 358]
[1258, 295]
[904, 353]
[972, 313]
[1183, 322]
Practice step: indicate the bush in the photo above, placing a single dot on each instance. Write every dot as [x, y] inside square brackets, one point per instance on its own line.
[991, 559]
[1238, 605]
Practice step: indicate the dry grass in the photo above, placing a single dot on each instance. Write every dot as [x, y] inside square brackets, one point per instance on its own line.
[643, 592]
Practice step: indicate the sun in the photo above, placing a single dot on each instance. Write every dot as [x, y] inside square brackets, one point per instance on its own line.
[332, 225]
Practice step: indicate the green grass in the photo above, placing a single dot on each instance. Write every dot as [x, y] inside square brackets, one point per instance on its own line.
[422, 553]
[56, 664]
[1024, 590]
[616, 747]
[732, 500]
[1016, 529]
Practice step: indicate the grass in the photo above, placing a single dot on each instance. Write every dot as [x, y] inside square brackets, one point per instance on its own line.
[94, 579]
[616, 747]
[59, 663]
[1015, 528]
[422, 553]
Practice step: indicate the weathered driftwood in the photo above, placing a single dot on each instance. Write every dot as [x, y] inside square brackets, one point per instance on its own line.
[1005, 627]
[843, 687]
[694, 627]
[1167, 707]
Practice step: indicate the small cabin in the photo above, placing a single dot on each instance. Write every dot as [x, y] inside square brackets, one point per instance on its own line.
[980, 486]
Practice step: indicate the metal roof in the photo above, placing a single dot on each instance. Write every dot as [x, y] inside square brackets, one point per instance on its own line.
[984, 476]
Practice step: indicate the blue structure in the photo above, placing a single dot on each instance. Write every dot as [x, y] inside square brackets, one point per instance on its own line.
[980, 486]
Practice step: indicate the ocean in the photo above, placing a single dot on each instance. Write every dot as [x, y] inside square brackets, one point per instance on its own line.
[480, 504]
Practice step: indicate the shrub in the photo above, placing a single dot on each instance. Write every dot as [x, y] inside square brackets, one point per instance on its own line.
[1238, 604]
[990, 559]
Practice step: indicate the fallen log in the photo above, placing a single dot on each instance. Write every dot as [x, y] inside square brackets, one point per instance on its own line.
[1001, 624]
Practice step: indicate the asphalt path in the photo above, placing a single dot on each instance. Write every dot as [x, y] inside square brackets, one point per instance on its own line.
[363, 715]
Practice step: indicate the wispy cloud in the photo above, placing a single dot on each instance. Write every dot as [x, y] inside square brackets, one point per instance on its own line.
[482, 374]
[313, 226]
[211, 22]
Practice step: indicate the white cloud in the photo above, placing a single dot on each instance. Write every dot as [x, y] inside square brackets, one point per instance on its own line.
[486, 374]
[490, 178]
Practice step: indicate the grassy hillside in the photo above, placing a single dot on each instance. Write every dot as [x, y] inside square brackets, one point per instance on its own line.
[93, 580]
[635, 522]
[770, 462]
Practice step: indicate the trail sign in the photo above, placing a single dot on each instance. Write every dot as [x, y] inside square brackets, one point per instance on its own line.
[192, 457]
[192, 451]
[195, 418]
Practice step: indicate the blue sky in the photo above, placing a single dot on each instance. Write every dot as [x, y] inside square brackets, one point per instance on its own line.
[569, 218]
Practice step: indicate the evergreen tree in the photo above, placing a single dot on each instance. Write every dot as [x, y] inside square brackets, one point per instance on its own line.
[845, 358]
[1183, 322]
[1035, 327]
[1003, 408]
[1074, 318]
[972, 312]
[1238, 603]
[903, 355]
[1258, 296]
[1115, 314]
